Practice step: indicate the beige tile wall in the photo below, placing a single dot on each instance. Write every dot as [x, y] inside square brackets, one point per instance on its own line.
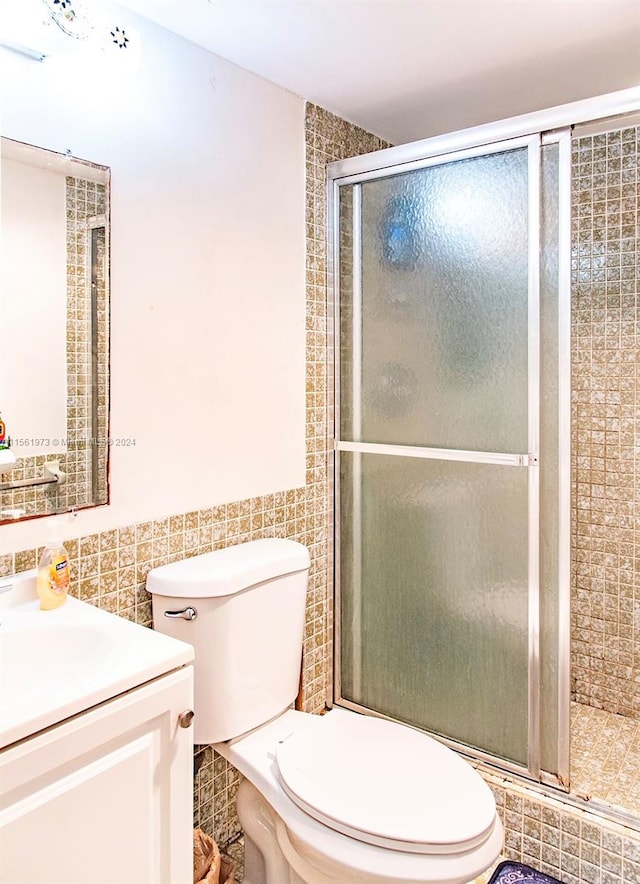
[605, 639]
[571, 844]
[34, 499]
[85, 199]
[328, 138]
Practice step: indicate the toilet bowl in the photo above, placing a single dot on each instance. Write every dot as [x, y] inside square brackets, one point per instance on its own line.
[340, 797]
[439, 826]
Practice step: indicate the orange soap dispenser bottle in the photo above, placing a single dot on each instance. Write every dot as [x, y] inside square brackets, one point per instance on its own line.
[53, 575]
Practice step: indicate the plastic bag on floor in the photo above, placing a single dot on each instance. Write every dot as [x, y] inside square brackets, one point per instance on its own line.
[206, 859]
[209, 867]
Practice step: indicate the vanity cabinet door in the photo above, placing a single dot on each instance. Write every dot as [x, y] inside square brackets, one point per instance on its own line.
[105, 797]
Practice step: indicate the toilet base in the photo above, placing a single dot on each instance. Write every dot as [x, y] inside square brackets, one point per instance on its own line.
[288, 846]
[264, 862]
[272, 855]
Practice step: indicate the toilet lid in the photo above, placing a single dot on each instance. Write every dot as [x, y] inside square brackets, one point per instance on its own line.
[386, 784]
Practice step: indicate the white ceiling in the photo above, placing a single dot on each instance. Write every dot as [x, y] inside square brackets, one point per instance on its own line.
[407, 69]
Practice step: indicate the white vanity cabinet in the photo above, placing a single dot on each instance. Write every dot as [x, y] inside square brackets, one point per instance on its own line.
[104, 797]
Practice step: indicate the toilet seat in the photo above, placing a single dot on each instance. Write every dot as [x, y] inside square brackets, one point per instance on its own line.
[386, 784]
[334, 855]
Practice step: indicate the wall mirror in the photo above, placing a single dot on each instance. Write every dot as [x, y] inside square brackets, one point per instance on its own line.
[54, 326]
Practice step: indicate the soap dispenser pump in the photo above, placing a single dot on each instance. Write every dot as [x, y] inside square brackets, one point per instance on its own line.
[53, 575]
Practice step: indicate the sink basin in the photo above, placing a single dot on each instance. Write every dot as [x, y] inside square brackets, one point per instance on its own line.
[54, 664]
[26, 654]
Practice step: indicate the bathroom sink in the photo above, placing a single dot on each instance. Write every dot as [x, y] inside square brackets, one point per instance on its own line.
[26, 653]
[54, 664]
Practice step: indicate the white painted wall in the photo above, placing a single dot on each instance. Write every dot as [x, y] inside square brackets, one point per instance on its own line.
[207, 267]
[33, 308]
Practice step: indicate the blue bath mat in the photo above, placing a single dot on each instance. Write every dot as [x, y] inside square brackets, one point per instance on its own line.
[517, 873]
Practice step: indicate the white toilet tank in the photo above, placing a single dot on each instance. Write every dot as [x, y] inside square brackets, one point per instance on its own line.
[249, 604]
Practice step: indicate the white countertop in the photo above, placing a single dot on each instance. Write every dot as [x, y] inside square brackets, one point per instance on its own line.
[55, 664]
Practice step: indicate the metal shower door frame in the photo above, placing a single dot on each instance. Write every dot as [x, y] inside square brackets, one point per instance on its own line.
[339, 176]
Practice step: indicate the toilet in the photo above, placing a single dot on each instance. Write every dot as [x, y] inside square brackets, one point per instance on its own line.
[341, 797]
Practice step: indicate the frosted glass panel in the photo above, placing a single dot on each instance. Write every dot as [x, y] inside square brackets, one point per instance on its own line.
[443, 257]
[434, 596]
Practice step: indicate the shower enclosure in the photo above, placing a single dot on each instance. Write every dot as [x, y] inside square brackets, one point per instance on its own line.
[451, 281]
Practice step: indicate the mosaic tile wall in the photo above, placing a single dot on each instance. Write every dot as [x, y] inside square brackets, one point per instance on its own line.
[100, 483]
[571, 844]
[605, 641]
[84, 200]
[36, 499]
[328, 138]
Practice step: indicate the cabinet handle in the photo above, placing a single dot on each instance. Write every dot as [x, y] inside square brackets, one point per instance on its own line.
[185, 718]
[185, 614]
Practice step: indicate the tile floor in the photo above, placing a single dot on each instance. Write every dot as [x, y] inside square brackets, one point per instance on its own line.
[236, 851]
[605, 757]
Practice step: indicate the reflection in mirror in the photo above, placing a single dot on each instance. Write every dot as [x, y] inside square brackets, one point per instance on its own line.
[54, 324]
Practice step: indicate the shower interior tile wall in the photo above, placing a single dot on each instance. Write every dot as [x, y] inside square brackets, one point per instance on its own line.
[605, 637]
[110, 568]
[84, 199]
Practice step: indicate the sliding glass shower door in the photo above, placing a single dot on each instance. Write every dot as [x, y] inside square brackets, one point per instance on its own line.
[437, 273]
